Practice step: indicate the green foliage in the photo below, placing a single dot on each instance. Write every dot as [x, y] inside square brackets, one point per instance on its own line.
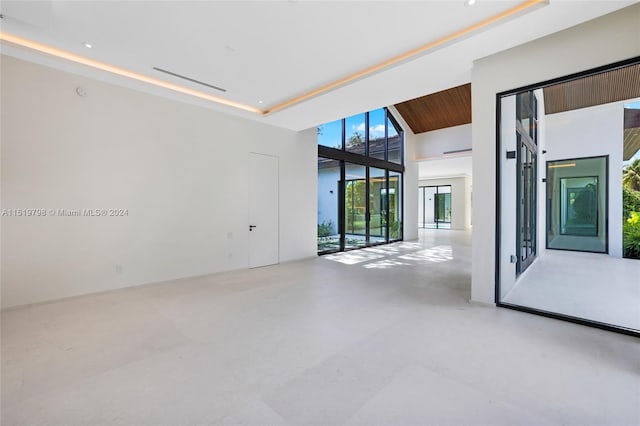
[631, 176]
[631, 236]
[325, 229]
[630, 202]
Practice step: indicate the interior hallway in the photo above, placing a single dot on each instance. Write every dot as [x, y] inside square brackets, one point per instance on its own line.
[379, 336]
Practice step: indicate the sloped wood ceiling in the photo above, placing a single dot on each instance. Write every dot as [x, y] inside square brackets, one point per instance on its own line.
[631, 133]
[448, 108]
[612, 86]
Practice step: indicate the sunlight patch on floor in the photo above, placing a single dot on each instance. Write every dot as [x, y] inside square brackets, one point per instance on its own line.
[436, 254]
[353, 257]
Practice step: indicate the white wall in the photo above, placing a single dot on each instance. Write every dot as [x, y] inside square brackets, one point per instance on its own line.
[592, 132]
[435, 143]
[508, 185]
[180, 171]
[604, 40]
[460, 199]
[328, 193]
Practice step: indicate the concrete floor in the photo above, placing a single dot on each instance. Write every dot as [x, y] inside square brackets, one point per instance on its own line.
[592, 286]
[382, 336]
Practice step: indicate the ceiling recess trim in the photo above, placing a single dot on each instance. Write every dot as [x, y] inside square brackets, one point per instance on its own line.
[49, 50]
[43, 48]
[410, 54]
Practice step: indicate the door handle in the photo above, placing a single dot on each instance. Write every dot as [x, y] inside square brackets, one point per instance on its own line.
[251, 227]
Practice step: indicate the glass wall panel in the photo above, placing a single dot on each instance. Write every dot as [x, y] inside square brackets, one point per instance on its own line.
[434, 206]
[395, 206]
[358, 204]
[355, 128]
[577, 212]
[328, 190]
[377, 134]
[330, 134]
[394, 143]
[378, 205]
[355, 196]
[565, 223]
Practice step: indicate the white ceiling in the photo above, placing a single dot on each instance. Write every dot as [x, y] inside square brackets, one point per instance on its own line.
[273, 51]
[445, 167]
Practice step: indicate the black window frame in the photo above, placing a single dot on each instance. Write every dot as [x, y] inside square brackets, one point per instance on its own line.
[344, 157]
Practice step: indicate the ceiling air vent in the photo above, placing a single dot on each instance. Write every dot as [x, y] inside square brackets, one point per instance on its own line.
[193, 80]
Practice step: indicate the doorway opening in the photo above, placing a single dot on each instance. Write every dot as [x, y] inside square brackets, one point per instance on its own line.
[434, 207]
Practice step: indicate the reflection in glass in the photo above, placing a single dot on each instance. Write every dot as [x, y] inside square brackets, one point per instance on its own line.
[354, 135]
[577, 204]
[330, 134]
[377, 133]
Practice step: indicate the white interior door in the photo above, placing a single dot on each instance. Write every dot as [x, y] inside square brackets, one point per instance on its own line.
[263, 210]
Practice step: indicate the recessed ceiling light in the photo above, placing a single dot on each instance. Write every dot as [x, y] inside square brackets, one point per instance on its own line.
[470, 2]
[260, 102]
[87, 45]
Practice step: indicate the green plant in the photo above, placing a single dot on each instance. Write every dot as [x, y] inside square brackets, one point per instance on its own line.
[631, 236]
[631, 176]
[630, 202]
[325, 229]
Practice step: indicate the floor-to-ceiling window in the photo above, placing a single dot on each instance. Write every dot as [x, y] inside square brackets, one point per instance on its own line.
[434, 207]
[360, 181]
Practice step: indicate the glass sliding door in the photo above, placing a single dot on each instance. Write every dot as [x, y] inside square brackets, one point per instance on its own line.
[395, 206]
[443, 206]
[355, 206]
[434, 206]
[378, 206]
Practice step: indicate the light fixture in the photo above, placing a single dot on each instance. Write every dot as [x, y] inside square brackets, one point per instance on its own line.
[558, 166]
[470, 2]
[260, 102]
[87, 45]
